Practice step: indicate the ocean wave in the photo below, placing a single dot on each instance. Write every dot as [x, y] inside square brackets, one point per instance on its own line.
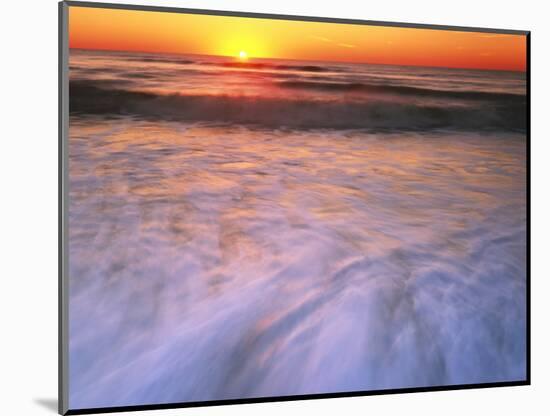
[402, 90]
[157, 59]
[266, 65]
[98, 97]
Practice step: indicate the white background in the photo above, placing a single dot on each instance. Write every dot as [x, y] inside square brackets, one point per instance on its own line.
[28, 208]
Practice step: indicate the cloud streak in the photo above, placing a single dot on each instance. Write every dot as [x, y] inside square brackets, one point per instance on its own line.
[332, 42]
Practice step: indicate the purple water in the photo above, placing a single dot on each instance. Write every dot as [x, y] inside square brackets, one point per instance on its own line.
[276, 228]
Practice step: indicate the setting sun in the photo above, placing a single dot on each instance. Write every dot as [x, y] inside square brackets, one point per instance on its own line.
[345, 203]
[243, 38]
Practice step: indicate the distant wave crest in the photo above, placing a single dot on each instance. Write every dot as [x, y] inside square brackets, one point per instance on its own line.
[271, 66]
[402, 90]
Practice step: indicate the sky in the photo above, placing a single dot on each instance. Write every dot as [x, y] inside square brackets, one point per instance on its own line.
[161, 32]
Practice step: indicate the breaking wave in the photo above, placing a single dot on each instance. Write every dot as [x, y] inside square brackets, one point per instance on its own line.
[488, 111]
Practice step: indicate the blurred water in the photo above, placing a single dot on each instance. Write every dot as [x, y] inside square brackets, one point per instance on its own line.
[216, 261]
[269, 227]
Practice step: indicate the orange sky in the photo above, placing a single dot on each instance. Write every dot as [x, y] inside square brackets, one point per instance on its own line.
[95, 28]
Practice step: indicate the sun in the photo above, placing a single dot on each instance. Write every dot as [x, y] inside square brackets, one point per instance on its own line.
[243, 55]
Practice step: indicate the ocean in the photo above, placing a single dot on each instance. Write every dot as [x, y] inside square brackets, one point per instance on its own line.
[266, 227]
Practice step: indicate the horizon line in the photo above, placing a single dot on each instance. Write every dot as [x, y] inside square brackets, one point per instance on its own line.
[307, 60]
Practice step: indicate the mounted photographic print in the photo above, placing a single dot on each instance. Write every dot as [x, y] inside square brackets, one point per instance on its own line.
[262, 207]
